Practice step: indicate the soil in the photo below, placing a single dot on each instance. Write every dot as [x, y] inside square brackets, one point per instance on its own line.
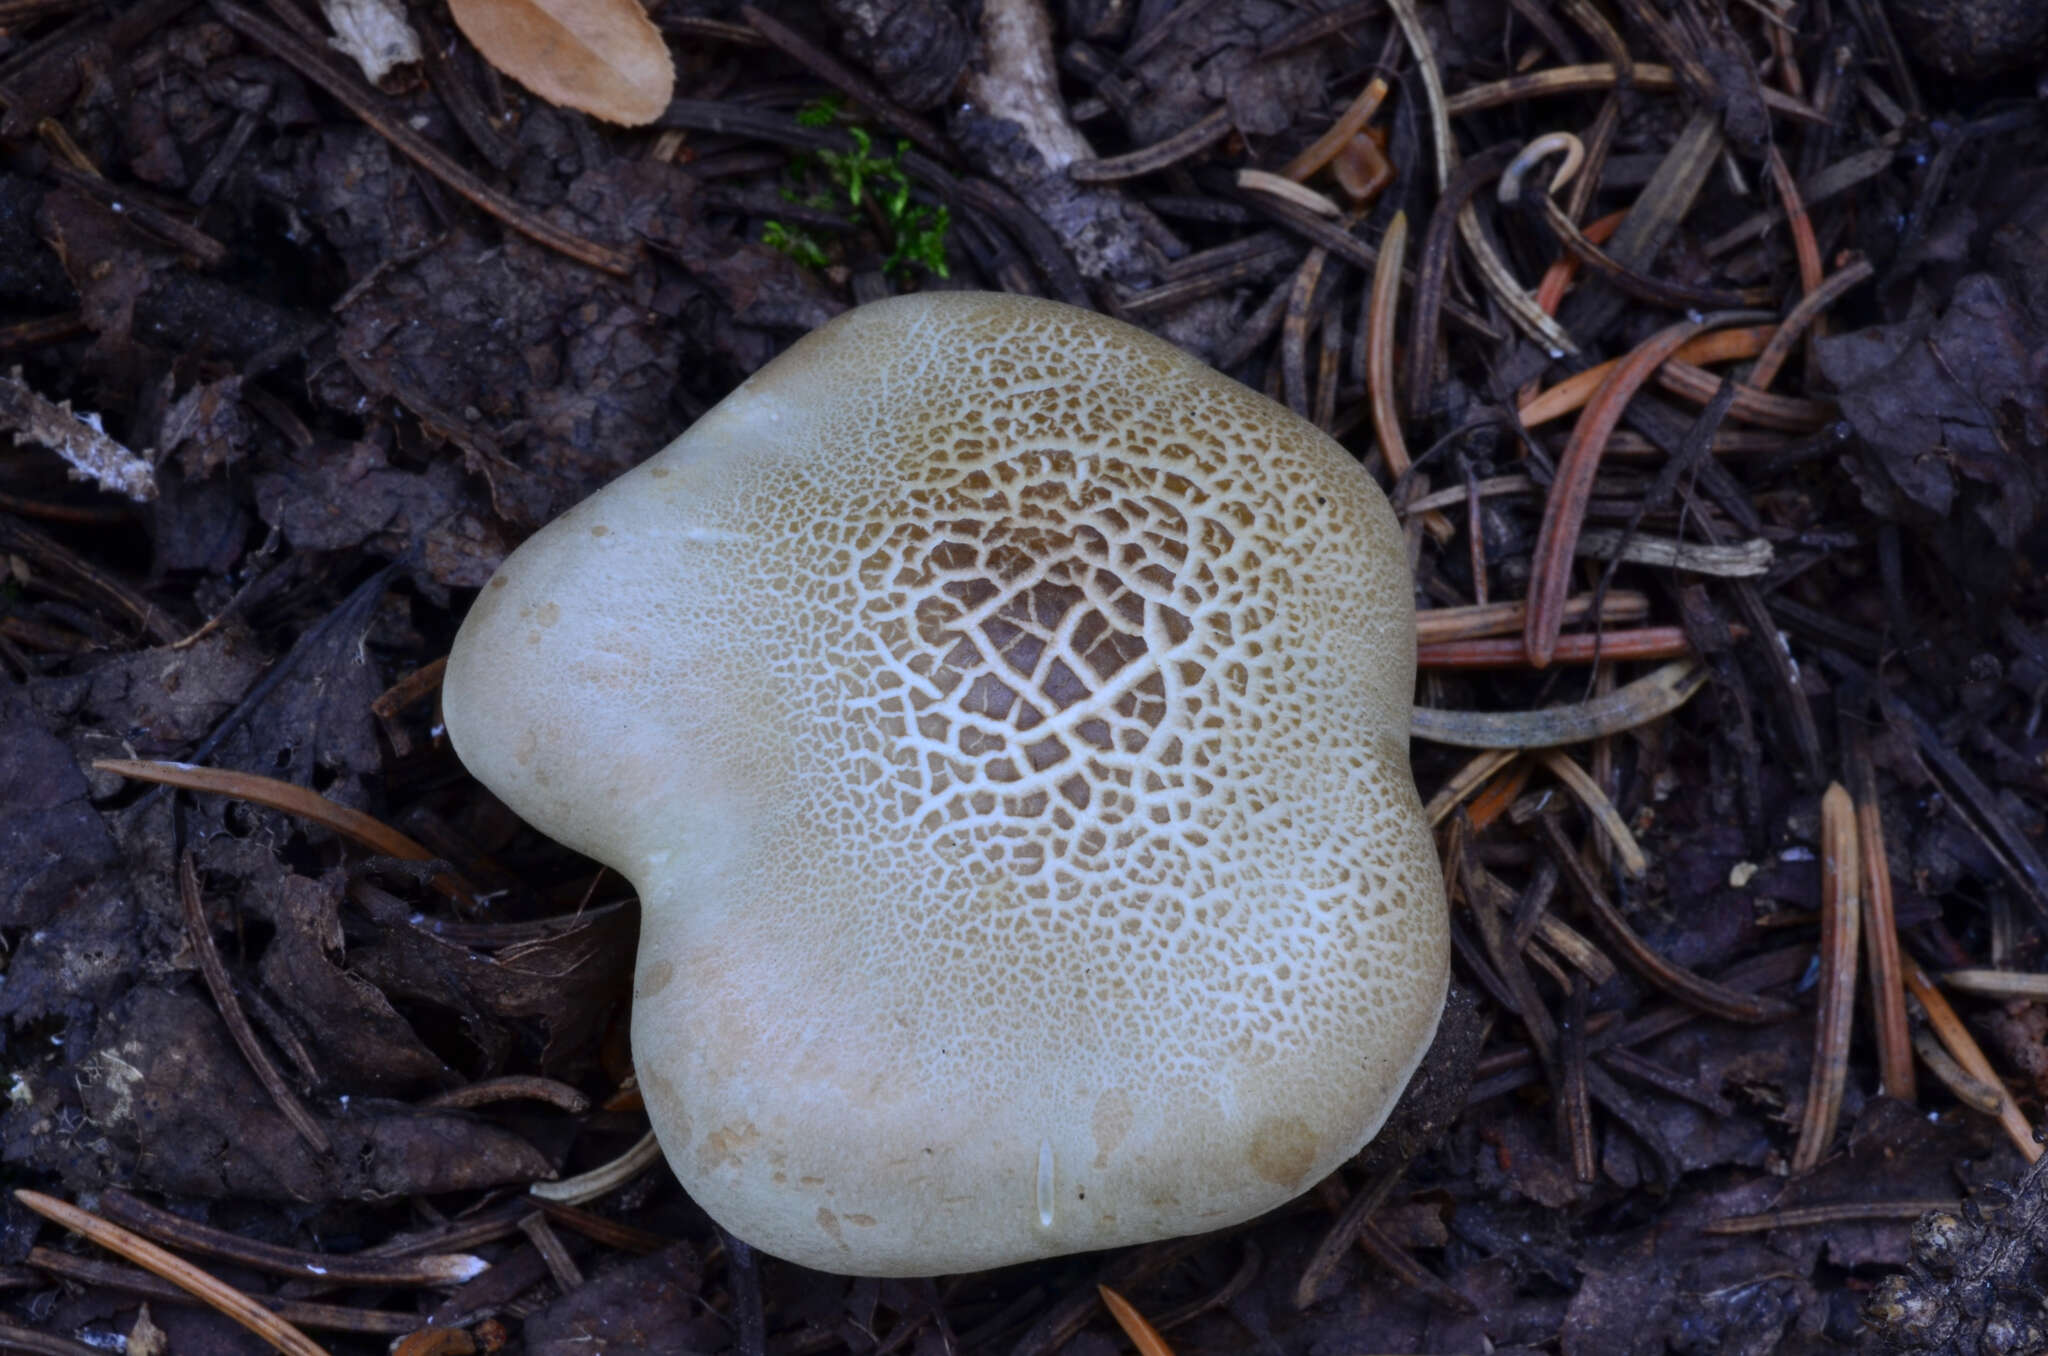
[291, 361]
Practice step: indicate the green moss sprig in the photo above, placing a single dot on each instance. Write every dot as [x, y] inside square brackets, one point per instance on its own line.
[915, 232]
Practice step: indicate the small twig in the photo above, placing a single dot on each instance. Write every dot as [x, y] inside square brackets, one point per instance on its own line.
[1392, 1258]
[561, 1266]
[1600, 75]
[1016, 78]
[1499, 797]
[1351, 249]
[307, 59]
[1191, 140]
[78, 439]
[1550, 289]
[1048, 255]
[1475, 535]
[1529, 912]
[1434, 626]
[1736, 560]
[1606, 647]
[219, 1295]
[1640, 285]
[1288, 191]
[209, 252]
[410, 688]
[1642, 1069]
[1792, 414]
[39, 547]
[334, 1268]
[1808, 1216]
[1314, 29]
[2016, 853]
[847, 81]
[602, 1229]
[14, 1337]
[513, 1087]
[1329, 358]
[303, 1313]
[1487, 488]
[1342, 1234]
[750, 1324]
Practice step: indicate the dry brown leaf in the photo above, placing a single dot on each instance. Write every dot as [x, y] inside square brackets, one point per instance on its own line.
[604, 57]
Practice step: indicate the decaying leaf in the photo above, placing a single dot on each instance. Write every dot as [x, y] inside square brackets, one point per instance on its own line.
[604, 57]
[375, 34]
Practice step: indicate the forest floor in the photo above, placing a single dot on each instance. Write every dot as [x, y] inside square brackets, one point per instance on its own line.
[1737, 1064]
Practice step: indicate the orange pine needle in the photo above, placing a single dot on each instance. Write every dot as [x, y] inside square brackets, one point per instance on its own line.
[1143, 1335]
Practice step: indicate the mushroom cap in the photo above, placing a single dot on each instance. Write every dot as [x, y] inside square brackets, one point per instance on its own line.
[1004, 719]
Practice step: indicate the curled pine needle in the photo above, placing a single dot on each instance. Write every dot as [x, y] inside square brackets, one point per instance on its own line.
[353, 825]
[1571, 394]
[1379, 346]
[1349, 124]
[1970, 1090]
[1565, 509]
[1962, 1047]
[603, 1178]
[1581, 784]
[1840, 916]
[1646, 699]
[1467, 780]
[1518, 304]
[1880, 930]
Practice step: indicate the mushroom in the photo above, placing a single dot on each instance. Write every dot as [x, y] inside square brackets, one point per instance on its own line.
[1004, 719]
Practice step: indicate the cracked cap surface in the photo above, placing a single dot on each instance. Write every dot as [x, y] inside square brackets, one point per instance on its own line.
[1004, 719]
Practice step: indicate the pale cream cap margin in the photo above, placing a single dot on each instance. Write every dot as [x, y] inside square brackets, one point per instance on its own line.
[1004, 719]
